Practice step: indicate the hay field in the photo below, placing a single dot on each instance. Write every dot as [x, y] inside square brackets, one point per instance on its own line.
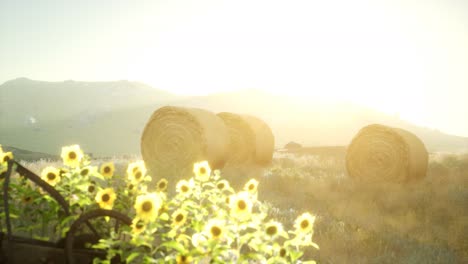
[424, 222]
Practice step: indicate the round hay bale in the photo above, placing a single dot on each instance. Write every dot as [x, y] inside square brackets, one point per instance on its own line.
[264, 140]
[175, 138]
[241, 148]
[381, 153]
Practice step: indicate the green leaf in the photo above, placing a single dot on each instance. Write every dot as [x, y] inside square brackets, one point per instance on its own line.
[295, 255]
[132, 256]
[174, 245]
[284, 234]
[13, 216]
[209, 184]
[314, 245]
[164, 217]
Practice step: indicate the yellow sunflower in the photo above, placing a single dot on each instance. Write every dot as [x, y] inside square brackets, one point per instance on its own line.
[138, 226]
[92, 187]
[214, 229]
[179, 217]
[105, 198]
[283, 252]
[63, 171]
[304, 223]
[223, 185]
[202, 171]
[251, 186]
[184, 259]
[136, 171]
[27, 199]
[147, 206]
[51, 175]
[5, 156]
[185, 187]
[107, 169]
[161, 186]
[72, 156]
[273, 229]
[240, 206]
[85, 171]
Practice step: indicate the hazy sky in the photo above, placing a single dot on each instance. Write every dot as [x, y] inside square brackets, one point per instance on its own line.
[403, 57]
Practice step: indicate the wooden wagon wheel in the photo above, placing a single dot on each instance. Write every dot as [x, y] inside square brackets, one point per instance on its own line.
[21, 170]
[38, 181]
[84, 219]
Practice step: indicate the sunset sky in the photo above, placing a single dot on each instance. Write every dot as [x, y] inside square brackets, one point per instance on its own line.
[402, 57]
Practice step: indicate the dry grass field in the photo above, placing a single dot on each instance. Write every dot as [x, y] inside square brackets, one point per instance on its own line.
[425, 222]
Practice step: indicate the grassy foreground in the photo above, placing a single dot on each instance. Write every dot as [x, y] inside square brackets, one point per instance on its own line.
[425, 222]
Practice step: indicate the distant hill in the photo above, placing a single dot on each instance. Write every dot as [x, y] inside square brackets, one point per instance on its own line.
[26, 155]
[107, 118]
[43, 116]
[315, 123]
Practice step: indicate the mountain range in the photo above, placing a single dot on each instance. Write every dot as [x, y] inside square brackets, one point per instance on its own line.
[107, 118]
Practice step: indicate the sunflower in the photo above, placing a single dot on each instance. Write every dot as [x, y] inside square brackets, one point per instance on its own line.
[72, 156]
[138, 226]
[214, 229]
[185, 187]
[273, 229]
[92, 187]
[161, 186]
[85, 171]
[251, 186]
[179, 217]
[223, 185]
[304, 223]
[283, 252]
[147, 206]
[107, 169]
[105, 198]
[5, 156]
[51, 175]
[63, 171]
[184, 259]
[27, 199]
[183, 239]
[136, 171]
[241, 206]
[202, 171]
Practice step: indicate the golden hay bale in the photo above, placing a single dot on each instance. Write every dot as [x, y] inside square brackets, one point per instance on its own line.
[175, 138]
[381, 153]
[241, 149]
[264, 140]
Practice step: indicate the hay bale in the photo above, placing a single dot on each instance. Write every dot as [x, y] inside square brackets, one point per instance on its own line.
[381, 153]
[264, 140]
[241, 148]
[175, 138]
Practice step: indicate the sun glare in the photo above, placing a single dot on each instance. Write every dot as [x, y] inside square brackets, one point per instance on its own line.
[360, 54]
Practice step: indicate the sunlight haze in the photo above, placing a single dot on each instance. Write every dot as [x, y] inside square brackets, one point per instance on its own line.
[406, 58]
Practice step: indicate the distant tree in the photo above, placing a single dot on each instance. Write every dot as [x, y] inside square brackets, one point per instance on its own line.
[293, 145]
